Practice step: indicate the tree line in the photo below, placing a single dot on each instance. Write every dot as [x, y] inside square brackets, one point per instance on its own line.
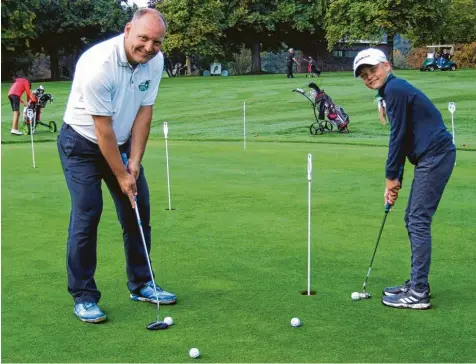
[214, 30]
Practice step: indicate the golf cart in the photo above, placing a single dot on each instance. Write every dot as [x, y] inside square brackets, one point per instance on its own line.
[439, 57]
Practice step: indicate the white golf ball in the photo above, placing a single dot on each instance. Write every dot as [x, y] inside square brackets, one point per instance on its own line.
[194, 353]
[169, 320]
[355, 296]
[295, 322]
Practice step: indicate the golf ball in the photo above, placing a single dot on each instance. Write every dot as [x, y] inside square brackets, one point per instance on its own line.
[168, 320]
[295, 322]
[194, 353]
[355, 296]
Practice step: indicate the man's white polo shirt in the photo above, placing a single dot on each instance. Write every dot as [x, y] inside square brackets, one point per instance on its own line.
[105, 84]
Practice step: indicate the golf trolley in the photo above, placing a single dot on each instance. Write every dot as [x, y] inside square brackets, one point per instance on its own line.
[328, 115]
[32, 112]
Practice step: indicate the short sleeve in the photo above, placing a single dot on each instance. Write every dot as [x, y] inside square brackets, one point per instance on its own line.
[97, 93]
[152, 92]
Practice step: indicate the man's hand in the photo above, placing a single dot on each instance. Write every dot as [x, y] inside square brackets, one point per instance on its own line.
[392, 187]
[127, 182]
[134, 168]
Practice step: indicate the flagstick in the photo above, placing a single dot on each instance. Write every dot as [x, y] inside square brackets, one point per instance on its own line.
[32, 120]
[166, 131]
[244, 125]
[452, 109]
[309, 178]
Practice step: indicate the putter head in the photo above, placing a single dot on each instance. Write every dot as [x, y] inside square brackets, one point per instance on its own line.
[365, 295]
[157, 325]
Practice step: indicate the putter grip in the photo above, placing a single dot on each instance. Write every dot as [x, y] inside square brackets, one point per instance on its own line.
[399, 177]
[124, 160]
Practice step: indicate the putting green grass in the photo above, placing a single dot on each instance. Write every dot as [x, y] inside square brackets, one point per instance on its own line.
[234, 250]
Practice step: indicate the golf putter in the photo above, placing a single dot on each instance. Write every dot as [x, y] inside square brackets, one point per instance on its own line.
[364, 293]
[157, 325]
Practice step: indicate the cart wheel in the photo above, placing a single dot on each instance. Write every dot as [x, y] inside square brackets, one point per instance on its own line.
[345, 131]
[52, 126]
[328, 125]
[316, 129]
[26, 129]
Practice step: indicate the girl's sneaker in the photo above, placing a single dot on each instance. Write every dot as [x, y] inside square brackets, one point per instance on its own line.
[409, 299]
[391, 291]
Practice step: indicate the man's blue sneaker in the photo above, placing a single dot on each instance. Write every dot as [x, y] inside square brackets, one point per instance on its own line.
[147, 294]
[391, 291]
[89, 312]
[408, 299]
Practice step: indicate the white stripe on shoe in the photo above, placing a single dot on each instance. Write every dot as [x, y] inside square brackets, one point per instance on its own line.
[416, 306]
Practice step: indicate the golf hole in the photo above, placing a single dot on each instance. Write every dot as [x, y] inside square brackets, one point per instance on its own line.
[169, 209]
[304, 293]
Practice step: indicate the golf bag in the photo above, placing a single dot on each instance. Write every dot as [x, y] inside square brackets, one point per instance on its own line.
[327, 114]
[32, 112]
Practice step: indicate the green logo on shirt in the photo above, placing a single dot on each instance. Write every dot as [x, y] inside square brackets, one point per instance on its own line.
[144, 86]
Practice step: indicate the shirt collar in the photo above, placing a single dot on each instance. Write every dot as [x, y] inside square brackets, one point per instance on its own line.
[381, 90]
[121, 52]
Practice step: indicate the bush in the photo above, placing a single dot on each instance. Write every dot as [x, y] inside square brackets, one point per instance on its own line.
[465, 55]
[400, 60]
[241, 63]
[416, 57]
[40, 69]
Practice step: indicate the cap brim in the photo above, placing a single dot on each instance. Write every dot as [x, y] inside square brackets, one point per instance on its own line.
[360, 65]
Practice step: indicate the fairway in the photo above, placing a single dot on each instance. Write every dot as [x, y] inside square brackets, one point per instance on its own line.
[234, 250]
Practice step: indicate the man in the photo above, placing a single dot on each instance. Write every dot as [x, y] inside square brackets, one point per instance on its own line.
[445, 57]
[289, 61]
[419, 134]
[20, 86]
[167, 67]
[109, 112]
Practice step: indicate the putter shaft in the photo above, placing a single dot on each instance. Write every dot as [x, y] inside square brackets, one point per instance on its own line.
[387, 209]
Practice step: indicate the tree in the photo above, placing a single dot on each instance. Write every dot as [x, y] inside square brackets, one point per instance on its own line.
[302, 24]
[67, 26]
[459, 23]
[267, 24]
[350, 21]
[17, 33]
[194, 27]
[251, 23]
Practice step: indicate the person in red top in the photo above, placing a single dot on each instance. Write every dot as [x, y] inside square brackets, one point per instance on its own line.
[20, 86]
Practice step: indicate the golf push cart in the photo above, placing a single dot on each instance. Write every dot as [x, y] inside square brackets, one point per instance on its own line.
[32, 112]
[328, 115]
[439, 57]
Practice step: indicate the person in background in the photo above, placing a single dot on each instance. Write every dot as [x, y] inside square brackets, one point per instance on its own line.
[289, 62]
[167, 67]
[20, 86]
[417, 132]
[445, 57]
